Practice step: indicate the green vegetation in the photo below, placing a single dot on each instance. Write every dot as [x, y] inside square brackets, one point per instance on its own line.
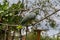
[13, 19]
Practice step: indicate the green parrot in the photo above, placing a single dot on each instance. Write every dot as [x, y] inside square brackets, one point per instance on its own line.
[28, 18]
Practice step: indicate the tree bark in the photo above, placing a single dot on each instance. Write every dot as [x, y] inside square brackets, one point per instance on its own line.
[20, 38]
[8, 34]
[13, 35]
[38, 35]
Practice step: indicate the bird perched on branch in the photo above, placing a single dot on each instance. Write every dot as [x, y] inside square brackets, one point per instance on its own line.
[28, 18]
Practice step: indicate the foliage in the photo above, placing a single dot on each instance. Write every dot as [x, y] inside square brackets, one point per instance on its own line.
[32, 36]
[52, 23]
[8, 14]
[19, 27]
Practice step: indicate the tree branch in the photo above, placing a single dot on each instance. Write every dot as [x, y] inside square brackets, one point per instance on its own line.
[46, 17]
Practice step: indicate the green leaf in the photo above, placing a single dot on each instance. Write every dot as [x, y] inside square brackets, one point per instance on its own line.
[6, 5]
[19, 27]
[21, 5]
[52, 23]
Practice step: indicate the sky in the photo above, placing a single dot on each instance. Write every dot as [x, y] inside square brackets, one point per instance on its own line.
[55, 2]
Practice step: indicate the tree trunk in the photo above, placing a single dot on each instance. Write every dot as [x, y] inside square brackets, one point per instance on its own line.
[8, 34]
[20, 38]
[38, 35]
[13, 35]
[26, 32]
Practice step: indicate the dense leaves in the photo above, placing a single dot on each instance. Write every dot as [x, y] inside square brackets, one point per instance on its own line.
[8, 14]
[52, 23]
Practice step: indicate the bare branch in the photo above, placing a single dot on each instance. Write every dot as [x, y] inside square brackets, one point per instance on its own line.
[8, 24]
[46, 17]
